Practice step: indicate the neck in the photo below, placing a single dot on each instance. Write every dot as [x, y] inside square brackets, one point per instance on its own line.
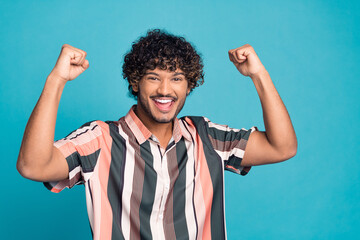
[162, 131]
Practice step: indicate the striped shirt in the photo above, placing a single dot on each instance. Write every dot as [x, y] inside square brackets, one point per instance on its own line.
[135, 189]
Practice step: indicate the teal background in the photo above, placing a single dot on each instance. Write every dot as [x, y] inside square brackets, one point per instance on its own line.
[310, 48]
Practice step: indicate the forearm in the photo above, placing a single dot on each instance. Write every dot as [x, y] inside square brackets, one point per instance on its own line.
[279, 130]
[37, 145]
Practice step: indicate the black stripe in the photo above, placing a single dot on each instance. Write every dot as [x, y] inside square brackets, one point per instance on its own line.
[228, 135]
[48, 185]
[73, 160]
[83, 132]
[194, 169]
[90, 193]
[216, 174]
[92, 233]
[84, 125]
[170, 145]
[87, 162]
[148, 194]
[181, 230]
[116, 179]
[234, 161]
[92, 205]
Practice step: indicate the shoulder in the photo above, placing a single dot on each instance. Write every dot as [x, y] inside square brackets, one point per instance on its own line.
[90, 130]
[192, 119]
[198, 123]
[201, 120]
[192, 122]
[86, 128]
[104, 125]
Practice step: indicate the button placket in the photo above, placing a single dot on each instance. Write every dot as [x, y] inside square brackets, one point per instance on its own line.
[164, 192]
[165, 182]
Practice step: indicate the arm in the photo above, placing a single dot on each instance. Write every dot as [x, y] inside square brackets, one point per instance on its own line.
[38, 159]
[278, 143]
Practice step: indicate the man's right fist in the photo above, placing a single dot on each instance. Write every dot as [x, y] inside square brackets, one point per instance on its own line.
[70, 64]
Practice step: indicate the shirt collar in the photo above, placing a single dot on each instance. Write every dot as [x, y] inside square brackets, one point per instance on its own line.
[142, 134]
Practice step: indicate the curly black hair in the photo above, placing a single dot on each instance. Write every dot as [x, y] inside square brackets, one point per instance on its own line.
[165, 51]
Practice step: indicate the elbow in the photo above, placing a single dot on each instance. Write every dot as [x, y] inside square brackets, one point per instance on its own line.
[286, 151]
[293, 148]
[20, 164]
[26, 170]
[22, 168]
[290, 151]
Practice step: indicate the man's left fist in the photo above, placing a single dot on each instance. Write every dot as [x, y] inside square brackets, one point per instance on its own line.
[246, 61]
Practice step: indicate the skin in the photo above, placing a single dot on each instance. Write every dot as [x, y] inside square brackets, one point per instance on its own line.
[164, 85]
[39, 160]
[278, 143]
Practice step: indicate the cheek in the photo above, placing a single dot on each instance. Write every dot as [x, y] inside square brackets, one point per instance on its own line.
[142, 90]
[147, 88]
[183, 89]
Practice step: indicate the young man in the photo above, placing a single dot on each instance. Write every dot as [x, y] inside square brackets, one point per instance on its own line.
[150, 175]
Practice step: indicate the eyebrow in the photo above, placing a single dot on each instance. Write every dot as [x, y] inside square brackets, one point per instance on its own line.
[175, 74]
[152, 73]
[179, 73]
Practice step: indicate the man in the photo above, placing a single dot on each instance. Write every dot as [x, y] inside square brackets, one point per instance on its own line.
[150, 175]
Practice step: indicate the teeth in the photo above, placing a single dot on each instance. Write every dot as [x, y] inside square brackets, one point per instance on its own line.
[163, 100]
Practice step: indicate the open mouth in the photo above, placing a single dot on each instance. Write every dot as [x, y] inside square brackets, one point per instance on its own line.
[164, 104]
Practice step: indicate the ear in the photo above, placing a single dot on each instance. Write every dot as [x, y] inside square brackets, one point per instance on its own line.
[188, 91]
[135, 87]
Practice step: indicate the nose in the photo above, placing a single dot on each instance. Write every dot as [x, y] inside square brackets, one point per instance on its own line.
[164, 87]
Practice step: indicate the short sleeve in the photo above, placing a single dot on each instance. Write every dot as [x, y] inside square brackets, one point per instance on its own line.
[81, 149]
[230, 144]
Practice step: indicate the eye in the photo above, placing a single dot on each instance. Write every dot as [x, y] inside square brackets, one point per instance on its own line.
[153, 78]
[177, 79]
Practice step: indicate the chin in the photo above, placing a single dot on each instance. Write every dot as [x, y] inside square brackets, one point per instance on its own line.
[164, 119]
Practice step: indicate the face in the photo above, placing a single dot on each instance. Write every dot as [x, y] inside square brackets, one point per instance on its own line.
[161, 95]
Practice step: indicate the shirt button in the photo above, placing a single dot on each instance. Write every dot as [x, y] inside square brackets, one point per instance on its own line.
[161, 216]
[167, 186]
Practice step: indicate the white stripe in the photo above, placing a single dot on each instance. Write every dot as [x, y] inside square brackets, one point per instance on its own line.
[189, 191]
[89, 203]
[127, 186]
[225, 128]
[156, 225]
[89, 206]
[74, 172]
[223, 193]
[87, 175]
[95, 211]
[225, 155]
[83, 138]
[238, 152]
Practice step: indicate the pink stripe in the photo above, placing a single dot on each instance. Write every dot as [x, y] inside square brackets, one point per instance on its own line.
[104, 167]
[202, 174]
[143, 129]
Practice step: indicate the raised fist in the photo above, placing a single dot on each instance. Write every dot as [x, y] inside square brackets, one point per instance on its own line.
[70, 64]
[246, 60]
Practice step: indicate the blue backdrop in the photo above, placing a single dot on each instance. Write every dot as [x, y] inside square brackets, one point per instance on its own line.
[310, 48]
